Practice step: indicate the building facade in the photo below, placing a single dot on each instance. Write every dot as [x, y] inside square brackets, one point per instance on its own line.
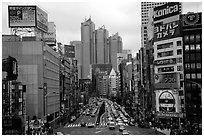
[88, 47]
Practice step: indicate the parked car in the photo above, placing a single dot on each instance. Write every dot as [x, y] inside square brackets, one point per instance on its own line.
[59, 133]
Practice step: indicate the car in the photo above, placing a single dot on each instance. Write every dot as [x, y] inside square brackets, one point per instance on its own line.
[125, 121]
[83, 124]
[92, 115]
[87, 114]
[111, 125]
[97, 123]
[59, 133]
[121, 128]
[125, 132]
[90, 125]
[131, 124]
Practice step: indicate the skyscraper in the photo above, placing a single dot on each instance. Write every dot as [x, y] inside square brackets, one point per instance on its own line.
[145, 6]
[115, 46]
[88, 54]
[101, 47]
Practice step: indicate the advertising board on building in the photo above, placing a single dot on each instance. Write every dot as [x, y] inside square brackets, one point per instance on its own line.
[167, 80]
[165, 62]
[27, 16]
[69, 51]
[192, 20]
[166, 69]
[167, 10]
[167, 101]
[166, 31]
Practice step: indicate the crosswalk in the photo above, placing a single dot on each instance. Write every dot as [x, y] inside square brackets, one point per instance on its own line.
[79, 125]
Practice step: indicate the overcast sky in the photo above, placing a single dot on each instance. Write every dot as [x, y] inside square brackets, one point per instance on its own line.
[121, 17]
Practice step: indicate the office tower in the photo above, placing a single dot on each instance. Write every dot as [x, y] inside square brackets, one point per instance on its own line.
[88, 54]
[145, 6]
[115, 46]
[78, 56]
[101, 46]
[192, 65]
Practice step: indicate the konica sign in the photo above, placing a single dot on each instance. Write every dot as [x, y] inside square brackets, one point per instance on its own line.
[167, 10]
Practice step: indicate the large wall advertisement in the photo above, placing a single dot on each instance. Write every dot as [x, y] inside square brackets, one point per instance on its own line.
[27, 16]
[167, 81]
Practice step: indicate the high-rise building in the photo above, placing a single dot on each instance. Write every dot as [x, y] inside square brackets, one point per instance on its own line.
[39, 71]
[115, 46]
[192, 65]
[88, 49]
[78, 56]
[145, 6]
[101, 46]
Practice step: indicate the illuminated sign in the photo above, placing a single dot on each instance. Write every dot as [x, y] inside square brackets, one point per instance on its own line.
[192, 20]
[167, 80]
[166, 31]
[167, 10]
[165, 61]
[27, 16]
[166, 69]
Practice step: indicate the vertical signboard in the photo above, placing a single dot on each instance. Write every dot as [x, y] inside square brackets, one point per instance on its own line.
[41, 19]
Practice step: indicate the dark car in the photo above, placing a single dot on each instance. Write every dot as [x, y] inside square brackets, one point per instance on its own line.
[83, 124]
[91, 125]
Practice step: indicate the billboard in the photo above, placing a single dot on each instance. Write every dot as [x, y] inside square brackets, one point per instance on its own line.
[167, 101]
[191, 20]
[69, 51]
[22, 16]
[167, 10]
[163, 31]
[167, 80]
[27, 16]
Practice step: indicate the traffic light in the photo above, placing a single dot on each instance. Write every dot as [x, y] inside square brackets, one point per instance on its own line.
[10, 65]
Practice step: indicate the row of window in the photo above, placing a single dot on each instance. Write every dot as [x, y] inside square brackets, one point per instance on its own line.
[193, 66]
[167, 45]
[192, 38]
[192, 47]
[193, 57]
[194, 76]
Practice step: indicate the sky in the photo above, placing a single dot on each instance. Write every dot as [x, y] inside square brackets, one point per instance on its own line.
[123, 17]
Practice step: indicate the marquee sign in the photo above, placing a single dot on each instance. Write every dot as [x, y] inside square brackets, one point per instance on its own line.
[166, 31]
[166, 100]
[169, 115]
[166, 69]
[191, 18]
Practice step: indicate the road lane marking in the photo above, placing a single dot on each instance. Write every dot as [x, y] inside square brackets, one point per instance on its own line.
[98, 131]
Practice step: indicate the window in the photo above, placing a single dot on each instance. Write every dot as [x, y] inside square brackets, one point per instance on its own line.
[192, 47]
[192, 57]
[187, 57]
[188, 76]
[187, 66]
[179, 60]
[180, 92]
[199, 75]
[179, 68]
[193, 66]
[178, 43]
[193, 76]
[198, 57]
[191, 38]
[179, 52]
[181, 77]
[186, 39]
[186, 47]
[197, 46]
[198, 65]
[198, 38]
